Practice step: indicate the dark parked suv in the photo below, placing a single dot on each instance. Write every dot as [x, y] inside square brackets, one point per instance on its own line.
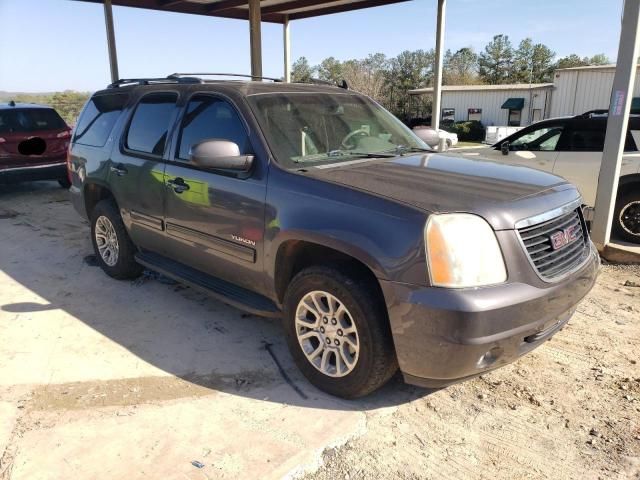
[314, 204]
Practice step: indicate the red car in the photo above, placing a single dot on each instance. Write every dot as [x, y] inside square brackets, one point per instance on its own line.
[33, 144]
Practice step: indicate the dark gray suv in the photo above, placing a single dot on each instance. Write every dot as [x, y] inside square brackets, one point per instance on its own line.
[314, 204]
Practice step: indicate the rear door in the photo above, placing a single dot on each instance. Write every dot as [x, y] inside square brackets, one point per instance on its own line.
[580, 155]
[214, 219]
[136, 167]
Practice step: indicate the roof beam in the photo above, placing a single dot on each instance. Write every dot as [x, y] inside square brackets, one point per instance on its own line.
[224, 5]
[340, 8]
[168, 3]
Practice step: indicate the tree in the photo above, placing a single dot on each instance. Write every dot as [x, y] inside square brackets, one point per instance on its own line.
[495, 63]
[599, 59]
[542, 63]
[367, 76]
[301, 71]
[460, 68]
[410, 69]
[522, 69]
[330, 70]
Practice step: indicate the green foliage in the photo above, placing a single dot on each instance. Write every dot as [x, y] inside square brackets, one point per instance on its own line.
[68, 103]
[461, 67]
[472, 131]
[301, 71]
[574, 60]
[496, 61]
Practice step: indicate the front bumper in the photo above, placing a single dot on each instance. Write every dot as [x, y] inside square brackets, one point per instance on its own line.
[443, 336]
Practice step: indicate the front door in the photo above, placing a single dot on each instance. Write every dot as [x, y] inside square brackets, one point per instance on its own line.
[136, 168]
[214, 220]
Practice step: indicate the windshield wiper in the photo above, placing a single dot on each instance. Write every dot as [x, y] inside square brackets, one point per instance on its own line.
[402, 149]
[341, 154]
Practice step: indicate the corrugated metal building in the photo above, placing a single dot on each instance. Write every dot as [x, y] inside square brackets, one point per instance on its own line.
[580, 89]
[515, 104]
[573, 91]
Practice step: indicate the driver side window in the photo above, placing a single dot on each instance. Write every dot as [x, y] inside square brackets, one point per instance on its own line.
[542, 139]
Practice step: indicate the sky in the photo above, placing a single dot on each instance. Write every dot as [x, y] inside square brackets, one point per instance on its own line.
[50, 45]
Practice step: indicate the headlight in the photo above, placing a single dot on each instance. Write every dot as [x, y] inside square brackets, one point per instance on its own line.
[462, 251]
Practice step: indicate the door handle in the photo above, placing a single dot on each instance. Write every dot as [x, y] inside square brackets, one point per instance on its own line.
[119, 170]
[178, 185]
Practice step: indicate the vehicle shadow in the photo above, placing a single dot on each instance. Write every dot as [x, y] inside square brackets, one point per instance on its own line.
[169, 327]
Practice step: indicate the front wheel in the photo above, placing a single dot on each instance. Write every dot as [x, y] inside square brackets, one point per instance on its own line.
[338, 333]
[113, 248]
[626, 220]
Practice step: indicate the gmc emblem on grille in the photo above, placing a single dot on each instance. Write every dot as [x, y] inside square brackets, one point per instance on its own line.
[564, 237]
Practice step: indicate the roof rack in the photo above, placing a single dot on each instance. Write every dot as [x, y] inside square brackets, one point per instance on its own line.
[319, 81]
[593, 113]
[240, 75]
[125, 82]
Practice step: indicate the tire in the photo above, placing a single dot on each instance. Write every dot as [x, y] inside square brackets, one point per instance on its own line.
[122, 265]
[626, 219]
[64, 183]
[375, 362]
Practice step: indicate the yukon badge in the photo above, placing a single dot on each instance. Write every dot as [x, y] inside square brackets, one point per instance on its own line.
[243, 240]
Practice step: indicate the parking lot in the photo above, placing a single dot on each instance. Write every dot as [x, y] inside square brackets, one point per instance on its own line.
[109, 379]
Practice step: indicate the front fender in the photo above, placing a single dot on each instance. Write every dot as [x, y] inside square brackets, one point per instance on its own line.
[384, 235]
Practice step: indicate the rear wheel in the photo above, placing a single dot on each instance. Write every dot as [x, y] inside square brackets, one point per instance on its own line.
[113, 248]
[338, 333]
[626, 220]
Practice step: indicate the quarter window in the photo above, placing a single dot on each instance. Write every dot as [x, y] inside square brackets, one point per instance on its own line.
[98, 118]
[150, 123]
[208, 117]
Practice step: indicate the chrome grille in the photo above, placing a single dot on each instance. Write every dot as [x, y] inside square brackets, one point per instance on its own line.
[552, 261]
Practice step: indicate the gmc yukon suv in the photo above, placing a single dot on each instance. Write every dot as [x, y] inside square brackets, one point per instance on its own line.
[314, 204]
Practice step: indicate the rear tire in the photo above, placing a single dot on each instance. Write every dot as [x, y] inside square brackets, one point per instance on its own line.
[626, 219]
[113, 248]
[356, 309]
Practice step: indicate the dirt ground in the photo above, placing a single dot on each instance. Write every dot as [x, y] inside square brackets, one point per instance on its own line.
[149, 379]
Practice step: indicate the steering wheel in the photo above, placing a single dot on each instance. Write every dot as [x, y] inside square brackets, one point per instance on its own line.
[346, 140]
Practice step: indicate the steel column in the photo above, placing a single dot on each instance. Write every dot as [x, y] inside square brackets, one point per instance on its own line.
[111, 41]
[619, 107]
[255, 38]
[437, 77]
[287, 49]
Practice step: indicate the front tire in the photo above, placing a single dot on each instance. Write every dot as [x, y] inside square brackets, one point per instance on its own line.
[337, 331]
[113, 248]
[626, 219]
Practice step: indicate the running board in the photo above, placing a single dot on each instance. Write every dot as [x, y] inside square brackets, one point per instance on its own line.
[226, 292]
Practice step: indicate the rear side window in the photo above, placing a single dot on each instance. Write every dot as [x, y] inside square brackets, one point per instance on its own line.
[150, 123]
[208, 117]
[30, 120]
[585, 140]
[98, 118]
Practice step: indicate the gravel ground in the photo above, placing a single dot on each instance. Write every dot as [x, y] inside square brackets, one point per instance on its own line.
[140, 384]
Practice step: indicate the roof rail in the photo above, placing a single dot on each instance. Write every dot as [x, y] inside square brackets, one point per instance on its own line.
[593, 113]
[124, 82]
[241, 75]
[319, 81]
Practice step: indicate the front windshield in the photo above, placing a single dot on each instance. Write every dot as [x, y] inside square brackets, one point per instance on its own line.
[305, 129]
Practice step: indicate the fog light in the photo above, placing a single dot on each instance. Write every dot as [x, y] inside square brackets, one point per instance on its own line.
[490, 357]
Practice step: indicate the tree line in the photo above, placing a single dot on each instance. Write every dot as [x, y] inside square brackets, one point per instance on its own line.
[388, 80]
[68, 103]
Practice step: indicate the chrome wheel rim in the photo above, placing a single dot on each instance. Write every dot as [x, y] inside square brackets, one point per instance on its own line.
[327, 334]
[630, 218]
[107, 241]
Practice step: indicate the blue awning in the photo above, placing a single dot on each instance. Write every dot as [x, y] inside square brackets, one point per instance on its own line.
[635, 105]
[513, 104]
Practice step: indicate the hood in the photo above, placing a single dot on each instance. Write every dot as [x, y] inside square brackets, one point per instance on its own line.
[502, 194]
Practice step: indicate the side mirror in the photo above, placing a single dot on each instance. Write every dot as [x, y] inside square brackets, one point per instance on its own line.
[504, 147]
[219, 154]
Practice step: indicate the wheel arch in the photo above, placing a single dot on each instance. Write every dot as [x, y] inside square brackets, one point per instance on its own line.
[628, 181]
[94, 192]
[293, 255]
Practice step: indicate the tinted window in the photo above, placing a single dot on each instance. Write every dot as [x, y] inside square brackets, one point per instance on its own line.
[631, 142]
[208, 118]
[98, 118]
[582, 139]
[30, 120]
[150, 123]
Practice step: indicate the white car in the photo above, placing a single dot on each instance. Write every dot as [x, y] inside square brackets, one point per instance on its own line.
[432, 137]
[572, 148]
